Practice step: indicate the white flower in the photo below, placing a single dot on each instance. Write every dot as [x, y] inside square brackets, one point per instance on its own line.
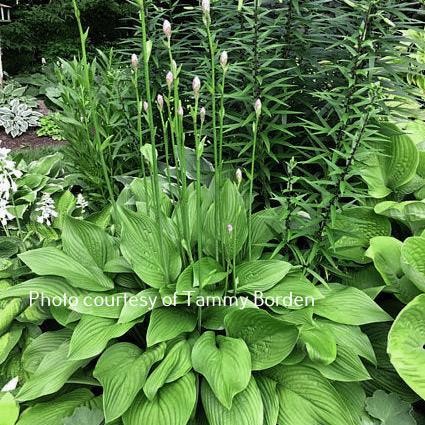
[196, 86]
[8, 172]
[5, 215]
[134, 60]
[166, 27]
[258, 107]
[224, 58]
[11, 385]
[206, 6]
[82, 203]
[46, 208]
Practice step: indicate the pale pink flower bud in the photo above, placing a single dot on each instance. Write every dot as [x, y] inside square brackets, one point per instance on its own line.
[196, 86]
[160, 101]
[166, 27]
[180, 111]
[134, 60]
[229, 228]
[206, 7]
[239, 175]
[224, 58]
[169, 78]
[203, 113]
[257, 107]
[145, 106]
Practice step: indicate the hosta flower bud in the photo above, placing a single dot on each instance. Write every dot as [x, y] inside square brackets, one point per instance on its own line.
[206, 7]
[160, 101]
[258, 107]
[224, 58]
[166, 27]
[180, 111]
[239, 175]
[196, 85]
[134, 60]
[229, 228]
[203, 113]
[169, 78]
[145, 106]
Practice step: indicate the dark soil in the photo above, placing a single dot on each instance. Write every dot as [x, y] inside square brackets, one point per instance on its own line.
[27, 140]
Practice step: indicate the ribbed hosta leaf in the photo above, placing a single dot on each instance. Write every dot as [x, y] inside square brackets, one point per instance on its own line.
[225, 363]
[52, 261]
[92, 334]
[407, 211]
[269, 395]
[173, 404]
[53, 411]
[319, 342]
[269, 340]
[306, 397]
[349, 306]
[413, 260]
[406, 342]
[122, 370]
[247, 406]
[9, 409]
[141, 247]
[51, 374]
[9, 340]
[168, 322]
[146, 300]
[260, 275]
[176, 363]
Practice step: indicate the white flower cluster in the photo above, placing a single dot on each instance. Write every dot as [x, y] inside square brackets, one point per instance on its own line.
[82, 203]
[46, 208]
[8, 172]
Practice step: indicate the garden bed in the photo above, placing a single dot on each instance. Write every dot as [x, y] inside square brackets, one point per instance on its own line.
[27, 140]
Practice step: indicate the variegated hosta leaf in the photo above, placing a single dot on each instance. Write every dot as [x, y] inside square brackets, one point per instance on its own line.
[173, 404]
[225, 363]
[122, 370]
[247, 407]
[406, 342]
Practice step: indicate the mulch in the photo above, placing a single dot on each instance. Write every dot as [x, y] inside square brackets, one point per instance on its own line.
[27, 140]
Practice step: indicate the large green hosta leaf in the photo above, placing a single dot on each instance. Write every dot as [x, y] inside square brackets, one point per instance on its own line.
[176, 363]
[51, 374]
[225, 363]
[141, 246]
[122, 370]
[92, 334]
[413, 260]
[406, 342]
[394, 166]
[168, 322]
[319, 342]
[9, 409]
[270, 397]
[269, 340]
[247, 406]
[53, 411]
[52, 261]
[173, 404]
[306, 397]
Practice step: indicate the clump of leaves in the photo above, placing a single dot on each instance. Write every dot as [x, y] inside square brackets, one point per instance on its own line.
[50, 127]
[17, 118]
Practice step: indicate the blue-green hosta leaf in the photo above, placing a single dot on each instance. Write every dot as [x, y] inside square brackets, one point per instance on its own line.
[84, 416]
[260, 275]
[385, 251]
[92, 334]
[413, 260]
[51, 374]
[225, 363]
[319, 342]
[168, 322]
[293, 285]
[270, 398]
[247, 406]
[52, 261]
[144, 301]
[9, 409]
[269, 340]
[9, 340]
[389, 409]
[406, 342]
[176, 363]
[173, 405]
[87, 243]
[350, 306]
[122, 370]
[141, 246]
[306, 397]
[394, 166]
[53, 411]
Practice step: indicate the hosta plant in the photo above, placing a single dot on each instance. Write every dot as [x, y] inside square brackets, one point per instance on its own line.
[18, 117]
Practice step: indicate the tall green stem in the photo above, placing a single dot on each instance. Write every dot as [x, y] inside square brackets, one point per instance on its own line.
[251, 184]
